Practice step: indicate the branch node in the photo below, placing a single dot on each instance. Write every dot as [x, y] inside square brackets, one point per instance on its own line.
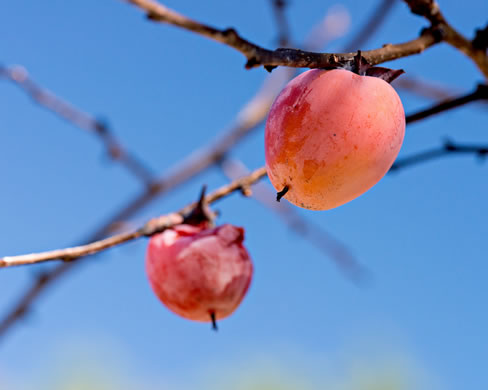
[42, 278]
[154, 16]
[483, 153]
[482, 91]
[480, 40]
[450, 146]
[229, 32]
[246, 191]
[438, 32]
[101, 127]
[252, 62]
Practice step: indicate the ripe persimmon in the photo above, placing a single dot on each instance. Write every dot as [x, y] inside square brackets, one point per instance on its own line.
[199, 272]
[331, 135]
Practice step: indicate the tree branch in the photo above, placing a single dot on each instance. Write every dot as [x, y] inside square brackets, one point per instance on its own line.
[448, 149]
[430, 10]
[151, 227]
[257, 56]
[45, 98]
[480, 93]
[424, 88]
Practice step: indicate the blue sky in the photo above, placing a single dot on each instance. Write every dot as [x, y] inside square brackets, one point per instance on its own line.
[421, 232]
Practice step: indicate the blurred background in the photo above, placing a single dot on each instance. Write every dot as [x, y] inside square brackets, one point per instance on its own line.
[418, 323]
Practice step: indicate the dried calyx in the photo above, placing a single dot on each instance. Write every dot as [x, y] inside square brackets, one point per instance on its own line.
[362, 67]
[201, 213]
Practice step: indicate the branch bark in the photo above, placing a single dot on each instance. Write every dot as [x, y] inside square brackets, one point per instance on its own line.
[448, 149]
[430, 10]
[259, 56]
[480, 93]
[153, 226]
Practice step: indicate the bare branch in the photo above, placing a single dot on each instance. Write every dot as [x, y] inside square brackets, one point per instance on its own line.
[153, 226]
[45, 98]
[430, 10]
[257, 56]
[330, 246]
[424, 88]
[480, 93]
[448, 149]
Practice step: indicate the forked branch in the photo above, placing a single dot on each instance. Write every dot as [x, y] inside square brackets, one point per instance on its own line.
[259, 56]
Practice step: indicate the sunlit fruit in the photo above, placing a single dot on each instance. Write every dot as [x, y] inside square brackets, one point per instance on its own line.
[331, 135]
[198, 272]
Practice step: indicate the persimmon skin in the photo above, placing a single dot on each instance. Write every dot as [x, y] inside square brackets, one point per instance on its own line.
[331, 135]
[197, 271]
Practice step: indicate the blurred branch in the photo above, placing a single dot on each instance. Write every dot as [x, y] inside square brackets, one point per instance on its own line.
[250, 117]
[448, 149]
[279, 8]
[153, 226]
[329, 245]
[45, 98]
[257, 56]
[480, 93]
[430, 10]
[424, 88]
[372, 25]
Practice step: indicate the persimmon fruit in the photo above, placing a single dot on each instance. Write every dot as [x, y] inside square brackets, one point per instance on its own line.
[331, 135]
[199, 272]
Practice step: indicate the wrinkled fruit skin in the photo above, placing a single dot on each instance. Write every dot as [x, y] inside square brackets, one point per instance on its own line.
[332, 135]
[196, 271]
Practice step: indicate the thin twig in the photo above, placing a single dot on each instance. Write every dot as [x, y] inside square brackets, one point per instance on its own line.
[45, 98]
[259, 56]
[151, 227]
[374, 22]
[330, 246]
[430, 10]
[448, 149]
[424, 88]
[480, 93]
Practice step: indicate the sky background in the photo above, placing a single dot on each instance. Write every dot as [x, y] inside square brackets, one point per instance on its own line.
[420, 323]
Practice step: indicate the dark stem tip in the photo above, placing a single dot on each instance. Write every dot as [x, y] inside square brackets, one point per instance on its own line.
[282, 193]
[214, 321]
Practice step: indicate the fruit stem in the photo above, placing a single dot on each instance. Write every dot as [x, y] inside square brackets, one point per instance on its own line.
[282, 193]
[214, 321]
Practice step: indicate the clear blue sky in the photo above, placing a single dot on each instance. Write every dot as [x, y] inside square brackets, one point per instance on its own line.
[421, 232]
